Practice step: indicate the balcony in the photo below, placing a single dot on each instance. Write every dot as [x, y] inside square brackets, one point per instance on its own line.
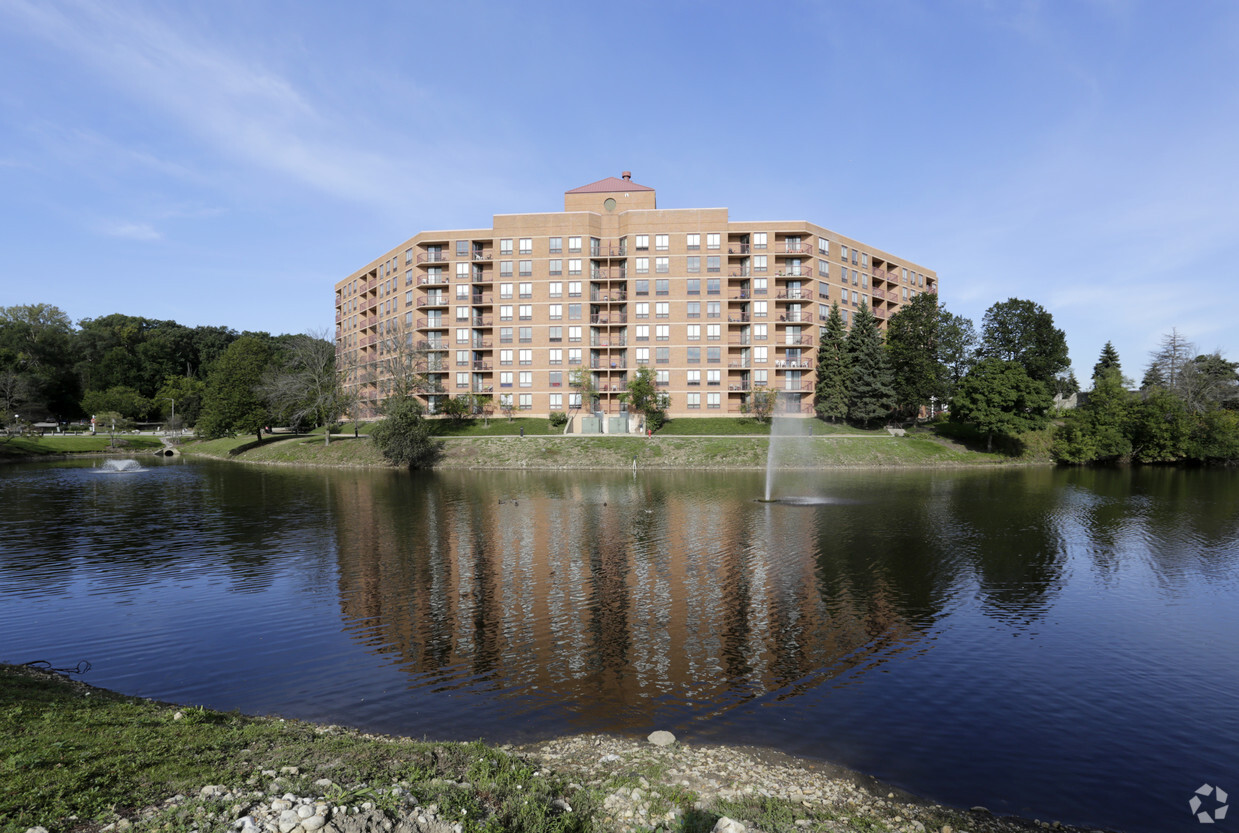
[615, 274]
[432, 301]
[795, 272]
[432, 344]
[739, 318]
[481, 321]
[431, 323]
[739, 386]
[795, 295]
[740, 363]
[607, 297]
[738, 249]
[793, 249]
[482, 388]
[614, 364]
[608, 320]
[481, 365]
[482, 344]
[739, 296]
[740, 340]
[609, 342]
[739, 273]
[483, 254]
[432, 256]
[793, 364]
[603, 250]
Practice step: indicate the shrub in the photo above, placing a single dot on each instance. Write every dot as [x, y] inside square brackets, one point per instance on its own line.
[558, 419]
[404, 438]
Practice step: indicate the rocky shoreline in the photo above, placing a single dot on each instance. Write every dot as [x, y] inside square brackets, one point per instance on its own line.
[657, 784]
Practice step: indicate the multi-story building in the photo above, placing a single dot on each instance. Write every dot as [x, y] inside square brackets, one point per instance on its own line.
[715, 307]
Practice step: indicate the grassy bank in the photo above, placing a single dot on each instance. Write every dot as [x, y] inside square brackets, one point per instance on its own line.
[852, 449]
[82, 444]
[75, 758]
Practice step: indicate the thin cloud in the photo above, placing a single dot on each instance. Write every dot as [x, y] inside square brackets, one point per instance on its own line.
[142, 232]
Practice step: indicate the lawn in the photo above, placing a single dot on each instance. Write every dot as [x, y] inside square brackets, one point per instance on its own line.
[60, 444]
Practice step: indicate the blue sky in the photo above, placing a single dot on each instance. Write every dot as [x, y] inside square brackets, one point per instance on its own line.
[227, 162]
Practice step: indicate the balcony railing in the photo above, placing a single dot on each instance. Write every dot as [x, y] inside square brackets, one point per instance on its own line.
[481, 300]
[432, 280]
[794, 249]
[795, 272]
[795, 295]
[608, 274]
[608, 342]
[482, 344]
[607, 297]
[739, 318]
[740, 363]
[617, 364]
[481, 321]
[608, 251]
[433, 256]
[608, 320]
[483, 254]
[432, 301]
[738, 248]
[793, 364]
[739, 273]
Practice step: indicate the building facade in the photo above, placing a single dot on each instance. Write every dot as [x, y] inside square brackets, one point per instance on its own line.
[716, 308]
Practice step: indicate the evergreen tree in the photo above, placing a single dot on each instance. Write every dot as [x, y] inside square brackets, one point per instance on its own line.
[403, 436]
[1097, 430]
[1167, 362]
[912, 349]
[957, 349]
[232, 403]
[871, 394]
[831, 394]
[1109, 360]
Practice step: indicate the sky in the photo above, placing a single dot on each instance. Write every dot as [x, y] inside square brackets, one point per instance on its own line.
[226, 163]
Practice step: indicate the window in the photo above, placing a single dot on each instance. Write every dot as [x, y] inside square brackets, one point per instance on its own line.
[574, 289]
[526, 379]
[692, 264]
[760, 355]
[642, 310]
[408, 256]
[574, 355]
[525, 268]
[462, 380]
[505, 335]
[462, 357]
[574, 312]
[694, 309]
[643, 332]
[693, 355]
[526, 402]
[505, 247]
[642, 287]
[693, 401]
[574, 400]
[662, 310]
[574, 244]
[526, 245]
[408, 278]
[759, 332]
[526, 290]
[643, 265]
[662, 265]
[662, 355]
[843, 253]
[462, 271]
[643, 355]
[557, 401]
[714, 332]
[823, 268]
[556, 378]
[555, 334]
[662, 242]
[556, 311]
[462, 336]
[854, 255]
[864, 259]
[462, 292]
[505, 312]
[505, 268]
[556, 245]
[643, 242]
[505, 358]
[662, 332]
[712, 241]
[463, 314]
[662, 286]
[408, 298]
[714, 309]
[526, 312]
[693, 332]
[555, 356]
[855, 278]
[714, 377]
[713, 400]
[555, 289]
[712, 263]
[823, 246]
[574, 334]
[505, 379]
[759, 263]
[574, 266]
[759, 240]
[662, 377]
[693, 242]
[864, 279]
[526, 335]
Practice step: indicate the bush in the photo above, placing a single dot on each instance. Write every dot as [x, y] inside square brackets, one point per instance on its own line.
[404, 438]
[558, 419]
[655, 419]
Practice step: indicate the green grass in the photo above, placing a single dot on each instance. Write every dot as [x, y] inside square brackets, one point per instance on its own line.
[697, 426]
[66, 751]
[499, 427]
[215, 448]
[27, 446]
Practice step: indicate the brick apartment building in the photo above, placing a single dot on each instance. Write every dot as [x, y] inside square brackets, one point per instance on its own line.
[717, 308]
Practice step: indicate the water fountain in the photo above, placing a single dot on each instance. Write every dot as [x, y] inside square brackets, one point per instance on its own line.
[787, 433]
[116, 466]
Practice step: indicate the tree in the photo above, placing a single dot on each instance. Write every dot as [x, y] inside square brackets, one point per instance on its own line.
[232, 402]
[918, 376]
[303, 386]
[1160, 428]
[507, 405]
[122, 399]
[182, 394]
[458, 408]
[1108, 360]
[1065, 383]
[403, 436]
[870, 392]
[404, 363]
[999, 397]
[581, 380]
[1098, 429]
[1167, 362]
[957, 349]
[645, 398]
[36, 348]
[760, 403]
[830, 397]
[1021, 331]
[1210, 381]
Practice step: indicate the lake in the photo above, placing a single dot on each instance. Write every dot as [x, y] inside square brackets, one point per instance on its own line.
[1058, 644]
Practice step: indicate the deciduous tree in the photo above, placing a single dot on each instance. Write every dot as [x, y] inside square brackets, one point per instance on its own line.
[1021, 331]
[403, 436]
[233, 403]
[998, 397]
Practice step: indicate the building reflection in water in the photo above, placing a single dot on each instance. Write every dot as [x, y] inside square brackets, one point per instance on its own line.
[618, 602]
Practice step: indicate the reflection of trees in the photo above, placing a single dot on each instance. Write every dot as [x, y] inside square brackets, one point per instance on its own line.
[618, 597]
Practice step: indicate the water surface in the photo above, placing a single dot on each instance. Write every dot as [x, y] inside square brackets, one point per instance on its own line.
[1057, 644]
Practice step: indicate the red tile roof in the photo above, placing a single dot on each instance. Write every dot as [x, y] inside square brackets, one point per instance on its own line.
[609, 185]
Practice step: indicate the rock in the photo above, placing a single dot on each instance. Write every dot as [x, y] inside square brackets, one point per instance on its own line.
[561, 805]
[661, 738]
[313, 822]
[290, 770]
[305, 811]
[281, 804]
[288, 820]
[178, 716]
[726, 825]
[213, 791]
[36, 830]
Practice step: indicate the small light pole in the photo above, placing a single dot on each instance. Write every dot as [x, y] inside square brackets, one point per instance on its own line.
[933, 406]
[172, 419]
